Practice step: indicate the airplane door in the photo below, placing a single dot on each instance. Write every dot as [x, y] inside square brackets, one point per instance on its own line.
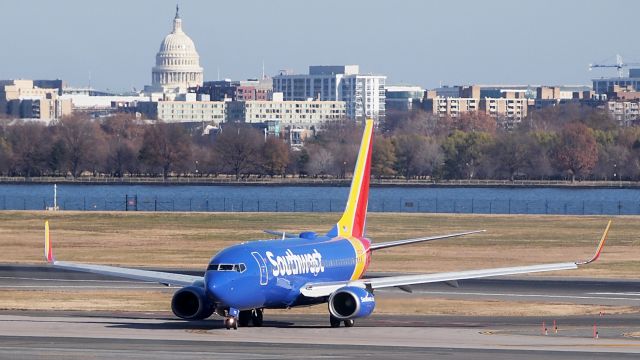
[264, 275]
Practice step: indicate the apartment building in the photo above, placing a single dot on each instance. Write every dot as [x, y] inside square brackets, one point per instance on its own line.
[363, 94]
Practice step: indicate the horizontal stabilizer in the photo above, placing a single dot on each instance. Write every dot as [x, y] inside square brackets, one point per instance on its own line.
[417, 240]
[282, 234]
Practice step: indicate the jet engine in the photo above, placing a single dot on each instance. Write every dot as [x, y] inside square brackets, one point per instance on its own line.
[351, 302]
[191, 303]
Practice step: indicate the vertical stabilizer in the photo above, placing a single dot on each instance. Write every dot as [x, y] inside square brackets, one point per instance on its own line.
[353, 220]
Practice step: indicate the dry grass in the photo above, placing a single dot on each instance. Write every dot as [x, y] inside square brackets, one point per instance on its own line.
[188, 240]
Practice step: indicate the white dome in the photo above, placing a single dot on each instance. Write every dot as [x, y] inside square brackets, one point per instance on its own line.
[177, 62]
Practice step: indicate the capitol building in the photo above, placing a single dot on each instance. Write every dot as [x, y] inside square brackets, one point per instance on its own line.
[177, 64]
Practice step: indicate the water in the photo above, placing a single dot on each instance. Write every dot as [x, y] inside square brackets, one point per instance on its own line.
[498, 200]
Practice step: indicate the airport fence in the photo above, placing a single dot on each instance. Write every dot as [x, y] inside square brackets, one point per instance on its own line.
[422, 205]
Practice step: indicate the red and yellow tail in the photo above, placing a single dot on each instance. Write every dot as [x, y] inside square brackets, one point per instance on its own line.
[353, 220]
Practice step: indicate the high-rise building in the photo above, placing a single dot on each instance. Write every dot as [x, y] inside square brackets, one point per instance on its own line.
[177, 63]
[364, 95]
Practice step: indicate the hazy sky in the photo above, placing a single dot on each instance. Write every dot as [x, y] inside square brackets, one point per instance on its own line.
[413, 42]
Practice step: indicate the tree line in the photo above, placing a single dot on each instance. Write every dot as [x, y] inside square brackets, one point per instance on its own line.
[563, 142]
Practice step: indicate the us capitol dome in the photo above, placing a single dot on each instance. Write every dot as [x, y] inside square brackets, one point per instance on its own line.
[177, 62]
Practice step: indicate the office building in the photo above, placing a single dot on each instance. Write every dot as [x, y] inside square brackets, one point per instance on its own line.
[403, 97]
[22, 99]
[605, 85]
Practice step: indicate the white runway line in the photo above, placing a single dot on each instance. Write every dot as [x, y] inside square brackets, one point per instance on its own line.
[74, 280]
[617, 293]
[577, 297]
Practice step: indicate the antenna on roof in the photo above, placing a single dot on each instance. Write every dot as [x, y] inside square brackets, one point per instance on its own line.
[263, 69]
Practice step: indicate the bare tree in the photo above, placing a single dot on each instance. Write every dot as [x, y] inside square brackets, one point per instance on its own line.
[165, 147]
[321, 162]
[238, 148]
[79, 135]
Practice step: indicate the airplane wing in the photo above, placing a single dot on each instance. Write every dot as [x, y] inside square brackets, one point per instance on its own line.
[384, 245]
[127, 273]
[402, 281]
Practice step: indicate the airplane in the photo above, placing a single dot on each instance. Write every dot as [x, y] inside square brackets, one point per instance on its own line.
[302, 269]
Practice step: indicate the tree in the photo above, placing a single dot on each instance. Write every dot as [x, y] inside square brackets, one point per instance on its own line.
[238, 148]
[80, 138]
[475, 121]
[321, 161]
[510, 154]
[383, 157]
[464, 153]
[30, 144]
[275, 156]
[165, 146]
[5, 156]
[576, 151]
[416, 155]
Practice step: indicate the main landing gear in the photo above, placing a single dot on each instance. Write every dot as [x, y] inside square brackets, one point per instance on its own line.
[253, 316]
[335, 322]
[244, 317]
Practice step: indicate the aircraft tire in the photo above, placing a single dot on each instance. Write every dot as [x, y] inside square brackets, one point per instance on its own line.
[349, 323]
[244, 318]
[256, 317]
[334, 321]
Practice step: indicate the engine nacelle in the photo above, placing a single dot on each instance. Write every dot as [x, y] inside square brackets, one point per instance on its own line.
[191, 303]
[351, 302]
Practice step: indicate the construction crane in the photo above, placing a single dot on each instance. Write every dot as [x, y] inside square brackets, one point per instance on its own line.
[618, 65]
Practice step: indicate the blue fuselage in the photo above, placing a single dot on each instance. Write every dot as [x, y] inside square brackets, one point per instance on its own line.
[270, 273]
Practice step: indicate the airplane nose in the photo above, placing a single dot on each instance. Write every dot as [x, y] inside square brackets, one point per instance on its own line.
[212, 285]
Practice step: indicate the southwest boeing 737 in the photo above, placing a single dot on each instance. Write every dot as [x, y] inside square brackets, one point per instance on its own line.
[301, 269]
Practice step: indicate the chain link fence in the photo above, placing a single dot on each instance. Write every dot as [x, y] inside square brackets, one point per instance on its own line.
[234, 204]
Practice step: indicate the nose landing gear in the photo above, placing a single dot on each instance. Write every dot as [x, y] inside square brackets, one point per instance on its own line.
[231, 322]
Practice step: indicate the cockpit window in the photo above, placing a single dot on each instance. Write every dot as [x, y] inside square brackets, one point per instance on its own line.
[227, 267]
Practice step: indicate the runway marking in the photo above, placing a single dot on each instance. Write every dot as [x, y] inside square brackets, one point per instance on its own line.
[74, 280]
[524, 295]
[617, 293]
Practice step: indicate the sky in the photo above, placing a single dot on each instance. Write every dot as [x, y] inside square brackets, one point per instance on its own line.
[112, 44]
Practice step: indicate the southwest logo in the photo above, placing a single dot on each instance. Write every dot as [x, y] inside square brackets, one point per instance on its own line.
[294, 264]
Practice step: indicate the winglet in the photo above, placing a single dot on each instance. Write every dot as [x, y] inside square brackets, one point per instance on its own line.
[599, 249]
[48, 251]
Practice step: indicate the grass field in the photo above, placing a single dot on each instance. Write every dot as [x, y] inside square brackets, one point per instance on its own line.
[188, 240]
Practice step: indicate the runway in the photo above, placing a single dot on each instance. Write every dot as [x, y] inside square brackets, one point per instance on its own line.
[549, 290]
[36, 335]
[107, 335]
